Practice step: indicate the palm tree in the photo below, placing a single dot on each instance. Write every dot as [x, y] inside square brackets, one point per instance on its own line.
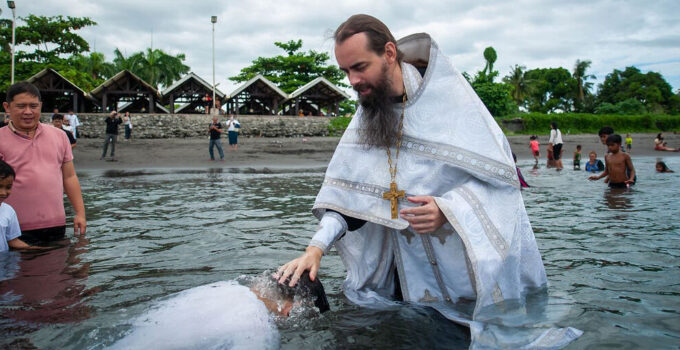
[582, 86]
[518, 81]
[154, 66]
[94, 65]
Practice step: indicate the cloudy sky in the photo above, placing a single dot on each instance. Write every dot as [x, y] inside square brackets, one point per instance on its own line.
[536, 34]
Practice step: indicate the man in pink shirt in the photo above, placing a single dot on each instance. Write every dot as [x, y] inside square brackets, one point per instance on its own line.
[41, 157]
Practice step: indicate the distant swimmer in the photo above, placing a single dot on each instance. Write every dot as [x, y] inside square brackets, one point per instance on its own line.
[224, 315]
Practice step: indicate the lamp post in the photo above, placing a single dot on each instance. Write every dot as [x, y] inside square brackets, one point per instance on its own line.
[12, 6]
[213, 19]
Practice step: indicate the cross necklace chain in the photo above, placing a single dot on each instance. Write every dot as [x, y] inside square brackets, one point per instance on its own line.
[393, 194]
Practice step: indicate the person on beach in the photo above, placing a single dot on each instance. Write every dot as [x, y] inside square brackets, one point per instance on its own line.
[127, 123]
[57, 122]
[661, 167]
[233, 129]
[556, 142]
[577, 158]
[535, 148]
[660, 144]
[618, 165]
[215, 131]
[443, 223]
[207, 103]
[594, 165]
[112, 122]
[42, 158]
[239, 316]
[73, 121]
[629, 143]
[9, 224]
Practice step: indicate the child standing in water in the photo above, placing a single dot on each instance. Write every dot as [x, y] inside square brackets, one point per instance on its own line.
[629, 142]
[618, 165]
[533, 143]
[577, 158]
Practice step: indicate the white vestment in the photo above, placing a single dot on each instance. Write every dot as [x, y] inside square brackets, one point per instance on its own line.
[221, 315]
[485, 258]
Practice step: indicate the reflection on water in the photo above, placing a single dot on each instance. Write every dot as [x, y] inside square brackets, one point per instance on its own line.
[611, 258]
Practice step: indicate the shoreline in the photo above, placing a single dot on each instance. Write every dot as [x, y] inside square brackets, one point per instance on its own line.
[273, 155]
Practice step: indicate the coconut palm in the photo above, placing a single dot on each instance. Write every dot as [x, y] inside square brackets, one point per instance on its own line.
[519, 83]
[153, 65]
[94, 65]
[582, 85]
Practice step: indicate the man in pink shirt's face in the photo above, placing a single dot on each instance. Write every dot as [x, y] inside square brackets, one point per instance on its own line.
[24, 112]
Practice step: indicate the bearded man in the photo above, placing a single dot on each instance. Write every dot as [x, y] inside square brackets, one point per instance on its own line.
[421, 198]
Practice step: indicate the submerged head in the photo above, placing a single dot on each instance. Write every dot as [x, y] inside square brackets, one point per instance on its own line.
[7, 176]
[614, 143]
[23, 105]
[661, 167]
[604, 132]
[283, 300]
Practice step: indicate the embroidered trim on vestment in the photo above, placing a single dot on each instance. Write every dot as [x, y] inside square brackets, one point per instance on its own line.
[490, 229]
[358, 215]
[432, 259]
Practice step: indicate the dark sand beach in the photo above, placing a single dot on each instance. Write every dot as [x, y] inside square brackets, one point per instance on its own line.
[296, 153]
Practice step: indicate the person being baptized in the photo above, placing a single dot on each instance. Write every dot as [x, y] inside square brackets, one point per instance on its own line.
[225, 314]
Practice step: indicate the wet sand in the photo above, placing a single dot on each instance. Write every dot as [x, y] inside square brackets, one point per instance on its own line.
[295, 153]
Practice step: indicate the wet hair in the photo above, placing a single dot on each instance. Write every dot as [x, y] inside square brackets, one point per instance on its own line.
[578, 146]
[6, 170]
[605, 130]
[20, 88]
[57, 117]
[663, 165]
[305, 288]
[554, 125]
[376, 31]
[614, 138]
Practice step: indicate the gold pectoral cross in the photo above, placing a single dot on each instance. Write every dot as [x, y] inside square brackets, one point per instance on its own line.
[393, 195]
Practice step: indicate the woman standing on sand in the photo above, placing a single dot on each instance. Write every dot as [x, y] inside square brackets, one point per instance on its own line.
[233, 128]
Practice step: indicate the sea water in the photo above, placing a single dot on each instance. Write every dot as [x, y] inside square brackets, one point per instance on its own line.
[611, 255]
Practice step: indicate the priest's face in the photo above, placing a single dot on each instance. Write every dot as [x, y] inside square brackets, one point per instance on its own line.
[368, 72]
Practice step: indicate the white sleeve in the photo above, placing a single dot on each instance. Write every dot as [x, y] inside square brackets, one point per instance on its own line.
[552, 136]
[331, 227]
[13, 231]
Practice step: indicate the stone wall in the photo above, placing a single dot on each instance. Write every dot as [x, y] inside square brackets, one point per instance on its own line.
[193, 125]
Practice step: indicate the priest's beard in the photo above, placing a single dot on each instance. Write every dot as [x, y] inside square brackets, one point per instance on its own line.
[379, 123]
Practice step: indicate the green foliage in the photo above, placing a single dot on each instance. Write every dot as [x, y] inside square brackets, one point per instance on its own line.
[338, 125]
[156, 67]
[583, 98]
[551, 90]
[519, 84]
[348, 107]
[293, 70]
[629, 106]
[496, 97]
[650, 89]
[581, 123]
[41, 42]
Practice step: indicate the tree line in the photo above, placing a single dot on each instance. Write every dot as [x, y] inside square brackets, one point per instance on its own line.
[559, 90]
[52, 42]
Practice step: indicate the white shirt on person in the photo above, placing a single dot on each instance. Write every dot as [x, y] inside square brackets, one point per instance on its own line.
[9, 226]
[555, 137]
[232, 124]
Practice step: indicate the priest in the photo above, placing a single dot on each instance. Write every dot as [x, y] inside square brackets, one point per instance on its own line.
[421, 198]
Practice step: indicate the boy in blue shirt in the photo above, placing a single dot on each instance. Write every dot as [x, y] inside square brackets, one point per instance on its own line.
[9, 224]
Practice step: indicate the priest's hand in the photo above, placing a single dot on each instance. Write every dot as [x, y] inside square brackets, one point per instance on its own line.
[310, 260]
[426, 218]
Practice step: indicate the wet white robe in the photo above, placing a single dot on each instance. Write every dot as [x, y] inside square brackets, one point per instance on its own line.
[485, 258]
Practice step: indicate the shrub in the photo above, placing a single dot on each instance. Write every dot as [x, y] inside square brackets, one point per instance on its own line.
[338, 125]
[574, 123]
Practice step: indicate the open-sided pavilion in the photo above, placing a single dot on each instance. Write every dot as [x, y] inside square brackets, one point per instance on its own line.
[314, 96]
[190, 91]
[256, 96]
[126, 87]
[58, 92]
